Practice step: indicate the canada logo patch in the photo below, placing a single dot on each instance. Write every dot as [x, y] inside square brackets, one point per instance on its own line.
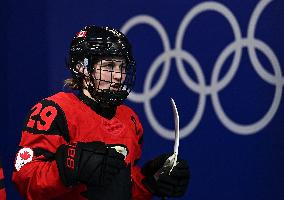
[24, 156]
[81, 34]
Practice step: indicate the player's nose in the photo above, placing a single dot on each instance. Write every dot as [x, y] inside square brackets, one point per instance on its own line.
[117, 74]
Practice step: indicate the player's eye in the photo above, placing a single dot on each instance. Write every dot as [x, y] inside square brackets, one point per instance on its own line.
[109, 65]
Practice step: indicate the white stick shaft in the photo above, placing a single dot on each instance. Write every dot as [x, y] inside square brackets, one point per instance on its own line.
[176, 119]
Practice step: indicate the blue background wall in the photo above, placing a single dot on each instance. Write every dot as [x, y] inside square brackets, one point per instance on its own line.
[227, 87]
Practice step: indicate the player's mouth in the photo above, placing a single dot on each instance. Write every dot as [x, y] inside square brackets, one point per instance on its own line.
[115, 86]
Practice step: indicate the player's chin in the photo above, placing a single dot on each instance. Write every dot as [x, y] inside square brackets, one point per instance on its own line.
[114, 89]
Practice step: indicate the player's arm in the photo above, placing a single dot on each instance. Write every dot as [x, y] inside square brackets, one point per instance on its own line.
[36, 174]
[47, 164]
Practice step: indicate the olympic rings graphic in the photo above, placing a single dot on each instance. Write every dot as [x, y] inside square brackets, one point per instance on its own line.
[217, 84]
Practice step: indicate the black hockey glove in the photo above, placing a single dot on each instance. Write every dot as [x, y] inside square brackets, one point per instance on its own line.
[173, 185]
[90, 163]
[119, 189]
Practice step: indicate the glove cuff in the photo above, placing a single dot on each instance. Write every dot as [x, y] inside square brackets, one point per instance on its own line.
[67, 159]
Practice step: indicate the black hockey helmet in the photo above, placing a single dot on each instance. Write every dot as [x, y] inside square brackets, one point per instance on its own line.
[94, 43]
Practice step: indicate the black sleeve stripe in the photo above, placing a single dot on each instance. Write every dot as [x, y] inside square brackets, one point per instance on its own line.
[58, 126]
[2, 185]
[42, 152]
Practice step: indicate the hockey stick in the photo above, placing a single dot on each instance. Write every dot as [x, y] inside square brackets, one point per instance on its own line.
[176, 119]
[171, 162]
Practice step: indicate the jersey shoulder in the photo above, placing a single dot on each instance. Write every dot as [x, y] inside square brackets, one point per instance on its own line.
[126, 110]
[69, 102]
[62, 98]
[47, 117]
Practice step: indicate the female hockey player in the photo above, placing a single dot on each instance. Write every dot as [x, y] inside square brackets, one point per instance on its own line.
[85, 145]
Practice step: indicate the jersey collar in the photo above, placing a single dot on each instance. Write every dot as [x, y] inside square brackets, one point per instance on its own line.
[106, 112]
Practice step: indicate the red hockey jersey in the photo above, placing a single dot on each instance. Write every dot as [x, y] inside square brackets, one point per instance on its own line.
[64, 118]
[2, 186]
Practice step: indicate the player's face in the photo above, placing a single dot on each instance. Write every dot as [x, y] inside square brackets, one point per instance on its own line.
[110, 73]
